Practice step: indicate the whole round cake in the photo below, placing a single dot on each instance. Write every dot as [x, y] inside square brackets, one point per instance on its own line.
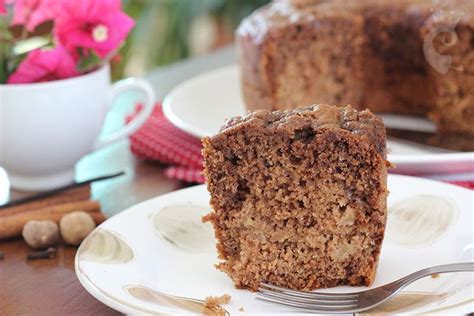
[411, 57]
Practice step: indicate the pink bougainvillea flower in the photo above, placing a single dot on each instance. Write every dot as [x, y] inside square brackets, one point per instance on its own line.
[45, 65]
[31, 13]
[94, 25]
[3, 10]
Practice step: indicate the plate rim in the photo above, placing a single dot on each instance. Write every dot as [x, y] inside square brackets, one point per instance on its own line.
[96, 292]
[168, 100]
[197, 132]
[92, 288]
[116, 304]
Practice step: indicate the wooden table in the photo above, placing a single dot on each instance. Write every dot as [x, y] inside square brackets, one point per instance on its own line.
[50, 287]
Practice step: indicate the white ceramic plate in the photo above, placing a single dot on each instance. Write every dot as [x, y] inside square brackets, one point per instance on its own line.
[200, 106]
[135, 260]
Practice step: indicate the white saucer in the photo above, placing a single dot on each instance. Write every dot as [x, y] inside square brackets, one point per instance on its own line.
[143, 259]
[200, 106]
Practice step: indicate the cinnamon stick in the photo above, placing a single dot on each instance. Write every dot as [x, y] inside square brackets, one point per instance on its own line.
[79, 193]
[98, 217]
[11, 226]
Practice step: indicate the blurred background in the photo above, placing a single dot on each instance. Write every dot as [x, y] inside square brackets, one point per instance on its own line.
[169, 30]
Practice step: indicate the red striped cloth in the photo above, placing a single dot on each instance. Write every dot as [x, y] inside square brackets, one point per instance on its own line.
[466, 184]
[161, 141]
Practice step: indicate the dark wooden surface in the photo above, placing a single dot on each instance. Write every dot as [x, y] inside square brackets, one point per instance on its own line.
[50, 286]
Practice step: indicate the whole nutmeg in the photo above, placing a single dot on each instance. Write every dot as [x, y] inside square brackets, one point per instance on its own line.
[76, 226]
[41, 234]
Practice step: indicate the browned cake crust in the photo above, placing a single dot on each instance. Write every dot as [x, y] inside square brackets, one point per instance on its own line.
[380, 54]
[298, 197]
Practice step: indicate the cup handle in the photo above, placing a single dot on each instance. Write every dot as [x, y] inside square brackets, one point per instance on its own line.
[129, 84]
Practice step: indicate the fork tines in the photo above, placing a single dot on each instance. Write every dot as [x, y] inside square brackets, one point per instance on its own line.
[308, 301]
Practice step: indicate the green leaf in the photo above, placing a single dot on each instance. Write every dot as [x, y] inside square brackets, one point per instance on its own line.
[13, 62]
[5, 49]
[89, 62]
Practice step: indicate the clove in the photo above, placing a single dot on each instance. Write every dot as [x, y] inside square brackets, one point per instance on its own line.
[42, 254]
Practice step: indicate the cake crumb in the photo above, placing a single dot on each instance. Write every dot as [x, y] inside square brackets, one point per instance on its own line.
[212, 301]
[212, 304]
[241, 309]
[435, 275]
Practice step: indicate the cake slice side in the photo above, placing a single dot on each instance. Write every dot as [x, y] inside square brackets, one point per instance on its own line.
[298, 197]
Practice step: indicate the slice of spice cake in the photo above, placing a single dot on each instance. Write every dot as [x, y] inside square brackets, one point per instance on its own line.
[298, 197]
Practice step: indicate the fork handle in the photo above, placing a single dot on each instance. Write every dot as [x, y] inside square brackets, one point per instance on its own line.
[446, 268]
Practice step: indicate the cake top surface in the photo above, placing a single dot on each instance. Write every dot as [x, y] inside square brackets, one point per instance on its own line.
[282, 12]
[318, 117]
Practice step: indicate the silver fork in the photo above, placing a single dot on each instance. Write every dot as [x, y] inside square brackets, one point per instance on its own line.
[315, 302]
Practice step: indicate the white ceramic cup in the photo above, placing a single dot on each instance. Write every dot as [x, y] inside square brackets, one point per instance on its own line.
[46, 128]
